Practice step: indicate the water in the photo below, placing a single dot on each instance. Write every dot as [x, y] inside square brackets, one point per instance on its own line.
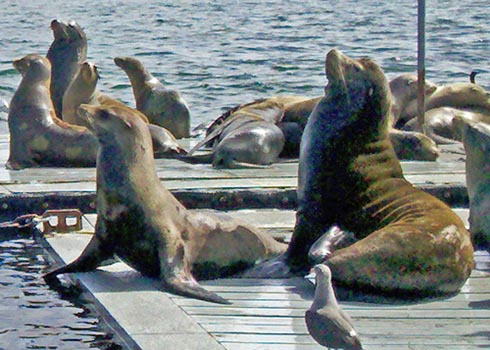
[218, 54]
[223, 53]
[32, 315]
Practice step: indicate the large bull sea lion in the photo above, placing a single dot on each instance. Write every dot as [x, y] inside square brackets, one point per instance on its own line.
[67, 51]
[162, 106]
[147, 227]
[409, 242]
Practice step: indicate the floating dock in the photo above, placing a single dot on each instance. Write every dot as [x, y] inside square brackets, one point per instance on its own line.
[265, 314]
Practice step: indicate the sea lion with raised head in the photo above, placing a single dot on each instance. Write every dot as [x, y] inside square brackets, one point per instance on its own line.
[476, 140]
[408, 242]
[404, 91]
[37, 136]
[147, 227]
[67, 51]
[83, 90]
[162, 106]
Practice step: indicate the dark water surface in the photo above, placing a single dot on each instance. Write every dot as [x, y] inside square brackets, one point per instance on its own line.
[218, 54]
[35, 317]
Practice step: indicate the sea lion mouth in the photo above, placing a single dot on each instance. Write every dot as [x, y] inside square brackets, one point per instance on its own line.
[58, 28]
[333, 65]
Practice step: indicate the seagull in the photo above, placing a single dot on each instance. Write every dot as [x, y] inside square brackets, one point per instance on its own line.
[326, 321]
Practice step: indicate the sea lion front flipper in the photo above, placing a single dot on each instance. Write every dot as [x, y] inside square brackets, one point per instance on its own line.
[92, 256]
[335, 238]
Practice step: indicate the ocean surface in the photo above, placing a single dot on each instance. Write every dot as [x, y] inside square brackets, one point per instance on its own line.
[217, 54]
[222, 53]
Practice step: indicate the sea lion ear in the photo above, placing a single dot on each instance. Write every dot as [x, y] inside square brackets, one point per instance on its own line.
[128, 124]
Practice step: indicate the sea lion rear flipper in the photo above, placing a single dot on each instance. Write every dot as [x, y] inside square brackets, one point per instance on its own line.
[190, 288]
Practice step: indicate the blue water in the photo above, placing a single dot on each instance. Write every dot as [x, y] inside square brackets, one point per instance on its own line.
[222, 53]
[217, 54]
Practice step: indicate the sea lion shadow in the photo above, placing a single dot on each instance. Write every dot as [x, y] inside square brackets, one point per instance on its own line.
[481, 304]
[363, 295]
[128, 280]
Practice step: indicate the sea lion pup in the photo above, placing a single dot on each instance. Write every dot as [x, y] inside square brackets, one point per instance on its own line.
[162, 106]
[326, 322]
[476, 140]
[67, 51]
[147, 227]
[248, 137]
[404, 90]
[37, 136]
[409, 242]
[83, 90]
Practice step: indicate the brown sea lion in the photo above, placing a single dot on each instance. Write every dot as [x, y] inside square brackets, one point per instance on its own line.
[67, 51]
[147, 227]
[37, 136]
[476, 140]
[162, 106]
[409, 242]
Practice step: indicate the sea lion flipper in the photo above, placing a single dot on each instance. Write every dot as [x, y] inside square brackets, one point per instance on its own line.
[335, 238]
[190, 288]
[273, 268]
[93, 255]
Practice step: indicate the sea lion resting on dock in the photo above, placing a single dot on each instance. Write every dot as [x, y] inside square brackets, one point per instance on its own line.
[247, 137]
[147, 227]
[409, 242]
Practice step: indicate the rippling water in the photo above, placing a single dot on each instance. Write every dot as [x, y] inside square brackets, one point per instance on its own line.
[222, 53]
[219, 54]
[32, 315]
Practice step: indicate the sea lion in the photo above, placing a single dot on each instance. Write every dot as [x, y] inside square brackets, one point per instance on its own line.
[476, 140]
[147, 227]
[246, 138]
[83, 90]
[439, 126]
[162, 106]
[404, 90]
[67, 51]
[37, 136]
[409, 242]
[465, 96]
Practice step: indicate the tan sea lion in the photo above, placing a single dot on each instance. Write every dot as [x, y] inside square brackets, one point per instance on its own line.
[83, 90]
[67, 51]
[439, 125]
[409, 242]
[37, 136]
[465, 96]
[147, 227]
[476, 140]
[404, 91]
[162, 106]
